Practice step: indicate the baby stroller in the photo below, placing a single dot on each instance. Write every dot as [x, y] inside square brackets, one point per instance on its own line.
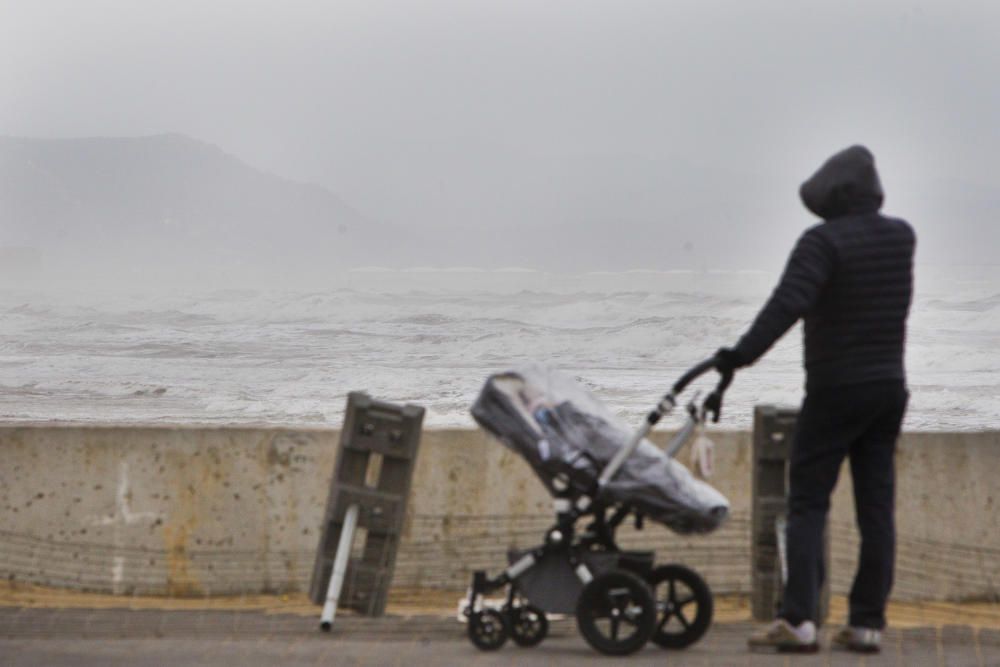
[597, 471]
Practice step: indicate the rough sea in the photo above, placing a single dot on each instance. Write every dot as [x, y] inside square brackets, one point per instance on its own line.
[431, 336]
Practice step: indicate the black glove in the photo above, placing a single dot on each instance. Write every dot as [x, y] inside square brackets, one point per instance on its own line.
[713, 406]
[728, 360]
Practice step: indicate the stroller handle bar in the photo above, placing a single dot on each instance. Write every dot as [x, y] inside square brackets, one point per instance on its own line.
[692, 374]
[712, 404]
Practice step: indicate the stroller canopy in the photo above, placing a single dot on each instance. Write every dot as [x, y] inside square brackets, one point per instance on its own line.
[568, 436]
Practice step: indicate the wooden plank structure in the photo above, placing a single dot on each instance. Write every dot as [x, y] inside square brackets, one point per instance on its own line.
[378, 450]
[773, 431]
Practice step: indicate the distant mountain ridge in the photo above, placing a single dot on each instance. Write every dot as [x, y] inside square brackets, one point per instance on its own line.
[168, 193]
[96, 205]
[146, 200]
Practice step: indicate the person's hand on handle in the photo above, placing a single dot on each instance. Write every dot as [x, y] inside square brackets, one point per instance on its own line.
[726, 361]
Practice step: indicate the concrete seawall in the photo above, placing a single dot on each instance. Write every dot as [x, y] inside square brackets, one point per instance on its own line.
[205, 511]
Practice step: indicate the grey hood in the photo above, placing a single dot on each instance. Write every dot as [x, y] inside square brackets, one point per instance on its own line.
[846, 184]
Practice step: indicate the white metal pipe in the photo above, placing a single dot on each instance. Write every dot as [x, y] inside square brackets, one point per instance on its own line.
[339, 567]
[622, 454]
[663, 408]
[682, 437]
[521, 566]
[780, 525]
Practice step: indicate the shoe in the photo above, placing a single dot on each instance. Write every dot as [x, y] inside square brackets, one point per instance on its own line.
[786, 637]
[858, 639]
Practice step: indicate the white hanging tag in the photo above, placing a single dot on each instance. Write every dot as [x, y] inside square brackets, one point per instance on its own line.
[703, 456]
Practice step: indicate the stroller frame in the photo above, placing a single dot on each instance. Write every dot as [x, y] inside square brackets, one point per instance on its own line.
[617, 586]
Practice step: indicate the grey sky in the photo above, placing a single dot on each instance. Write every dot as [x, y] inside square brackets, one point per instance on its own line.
[449, 114]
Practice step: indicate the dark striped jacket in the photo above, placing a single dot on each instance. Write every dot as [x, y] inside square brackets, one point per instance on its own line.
[851, 280]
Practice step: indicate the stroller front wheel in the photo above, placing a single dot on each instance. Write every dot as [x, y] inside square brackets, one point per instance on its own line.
[487, 629]
[527, 624]
[616, 613]
[683, 605]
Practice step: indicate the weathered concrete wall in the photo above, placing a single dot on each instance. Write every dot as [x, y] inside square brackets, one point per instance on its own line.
[201, 511]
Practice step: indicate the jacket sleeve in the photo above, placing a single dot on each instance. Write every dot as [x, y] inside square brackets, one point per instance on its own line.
[809, 269]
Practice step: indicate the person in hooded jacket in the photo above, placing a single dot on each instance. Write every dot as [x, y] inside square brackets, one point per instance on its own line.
[850, 279]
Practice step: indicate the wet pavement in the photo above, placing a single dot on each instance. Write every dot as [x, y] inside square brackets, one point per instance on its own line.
[112, 637]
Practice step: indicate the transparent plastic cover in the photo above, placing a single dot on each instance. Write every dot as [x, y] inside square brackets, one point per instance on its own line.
[568, 436]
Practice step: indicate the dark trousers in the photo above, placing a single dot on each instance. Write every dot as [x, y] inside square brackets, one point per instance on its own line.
[861, 422]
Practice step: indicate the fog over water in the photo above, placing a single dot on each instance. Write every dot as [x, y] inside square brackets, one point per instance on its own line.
[239, 211]
[431, 337]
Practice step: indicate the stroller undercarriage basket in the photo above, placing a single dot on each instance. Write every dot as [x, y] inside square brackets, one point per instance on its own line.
[592, 466]
[554, 587]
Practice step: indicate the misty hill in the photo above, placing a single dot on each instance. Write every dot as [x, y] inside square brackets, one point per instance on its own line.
[168, 205]
[168, 199]
[173, 201]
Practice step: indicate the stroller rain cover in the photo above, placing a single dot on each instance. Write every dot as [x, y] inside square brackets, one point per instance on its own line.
[565, 433]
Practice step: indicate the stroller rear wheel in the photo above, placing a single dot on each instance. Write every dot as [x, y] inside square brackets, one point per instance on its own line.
[683, 605]
[487, 629]
[616, 613]
[527, 625]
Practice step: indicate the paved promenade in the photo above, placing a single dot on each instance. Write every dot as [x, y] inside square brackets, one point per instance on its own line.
[43, 626]
[34, 636]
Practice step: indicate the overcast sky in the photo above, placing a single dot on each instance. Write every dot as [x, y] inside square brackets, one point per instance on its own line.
[444, 114]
